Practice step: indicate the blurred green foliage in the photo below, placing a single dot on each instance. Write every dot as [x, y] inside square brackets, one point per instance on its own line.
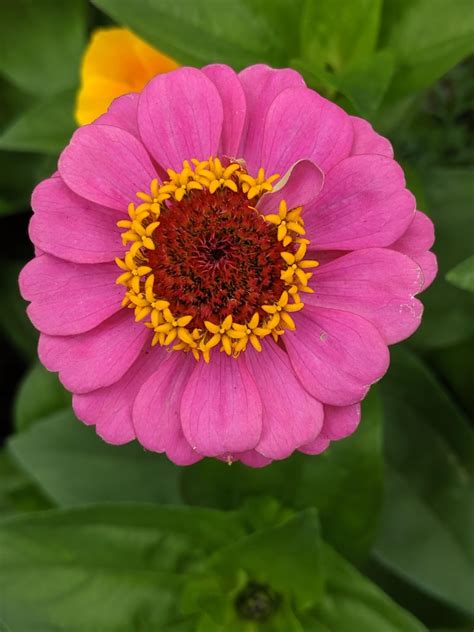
[101, 538]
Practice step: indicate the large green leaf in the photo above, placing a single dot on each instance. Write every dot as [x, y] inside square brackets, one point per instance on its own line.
[335, 33]
[17, 178]
[354, 603]
[344, 483]
[115, 568]
[41, 43]
[462, 275]
[448, 310]
[296, 570]
[40, 393]
[132, 567]
[455, 365]
[238, 33]
[13, 102]
[13, 319]
[74, 466]
[427, 529]
[18, 494]
[45, 127]
[428, 37]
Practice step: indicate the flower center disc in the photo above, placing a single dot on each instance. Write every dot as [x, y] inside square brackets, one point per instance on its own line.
[205, 267]
[214, 256]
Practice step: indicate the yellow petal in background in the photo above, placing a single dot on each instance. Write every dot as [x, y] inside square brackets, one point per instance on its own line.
[115, 62]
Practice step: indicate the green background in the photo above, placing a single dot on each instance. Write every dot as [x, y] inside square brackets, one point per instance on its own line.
[376, 534]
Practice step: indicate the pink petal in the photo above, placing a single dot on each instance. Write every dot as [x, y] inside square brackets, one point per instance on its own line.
[72, 228]
[221, 410]
[180, 117]
[234, 107]
[378, 284]
[262, 85]
[110, 408]
[252, 458]
[363, 204]
[429, 266]
[415, 242]
[299, 186]
[418, 237]
[69, 298]
[319, 445]
[367, 141]
[97, 358]
[340, 421]
[106, 165]
[336, 355]
[291, 417]
[122, 112]
[156, 415]
[302, 124]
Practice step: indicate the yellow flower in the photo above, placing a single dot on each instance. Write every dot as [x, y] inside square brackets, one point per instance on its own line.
[115, 62]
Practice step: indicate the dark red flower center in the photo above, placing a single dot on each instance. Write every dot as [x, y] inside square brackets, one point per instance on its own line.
[215, 255]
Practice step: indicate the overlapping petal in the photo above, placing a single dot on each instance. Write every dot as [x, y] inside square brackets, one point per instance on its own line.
[122, 113]
[336, 355]
[416, 242]
[97, 358]
[378, 284]
[72, 228]
[69, 298]
[180, 117]
[106, 165]
[367, 141]
[302, 124]
[156, 412]
[262, 85]
[283, 399]
[299, 186]
[110, 408]
[234, 107]
[363, 204]
[221, 409]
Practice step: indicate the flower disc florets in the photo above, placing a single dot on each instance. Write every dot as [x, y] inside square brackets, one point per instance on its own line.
[205, 268]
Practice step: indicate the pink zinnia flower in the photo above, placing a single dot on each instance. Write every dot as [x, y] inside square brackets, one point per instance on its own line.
[222, 261]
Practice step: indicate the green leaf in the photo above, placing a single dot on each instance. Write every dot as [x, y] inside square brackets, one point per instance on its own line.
[336, 33]
[462, 275]
[13, 319]
[448, 310]
[18, 494]
[295, 570]
[40, 393]
[344, 483]
[428, 37]
[74, 466]
[427, 528]
[354, 603]
[14, 101]
[240, 33]
[455, 365]
[17, 178]
[365, 83]
[112, 568]
[41, 43]
[45, 127]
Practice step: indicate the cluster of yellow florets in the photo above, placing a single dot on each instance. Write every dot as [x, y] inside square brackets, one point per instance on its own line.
[138, 279]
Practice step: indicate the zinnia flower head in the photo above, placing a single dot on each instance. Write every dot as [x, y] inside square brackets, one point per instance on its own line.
[222, 261]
